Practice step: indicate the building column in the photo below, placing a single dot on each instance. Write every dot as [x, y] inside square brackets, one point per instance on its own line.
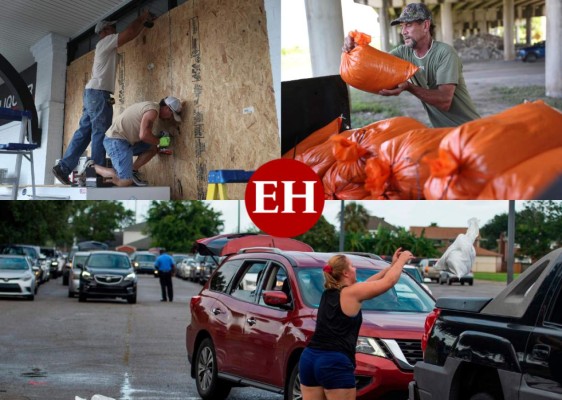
[50, 54]
[508, 21]
[325, 35]
[447, 23]
[384, 26]
[553, 63]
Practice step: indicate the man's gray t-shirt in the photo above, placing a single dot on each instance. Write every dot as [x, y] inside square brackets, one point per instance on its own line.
[441, 65]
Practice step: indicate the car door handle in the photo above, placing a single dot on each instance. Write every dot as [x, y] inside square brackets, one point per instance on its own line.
[216, 311]
[541, 352]
[251, 321]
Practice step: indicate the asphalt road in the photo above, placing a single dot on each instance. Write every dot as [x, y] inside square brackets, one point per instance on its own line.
[57, 348]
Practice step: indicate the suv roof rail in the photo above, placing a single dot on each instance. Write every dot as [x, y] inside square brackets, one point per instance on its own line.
[259, 249]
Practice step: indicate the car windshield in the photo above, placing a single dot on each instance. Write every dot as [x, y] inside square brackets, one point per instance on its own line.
[110, 261]
[405, 296]
[21, 251]
[414, 273]
[145, 257]
[80, 260]
[13, 264]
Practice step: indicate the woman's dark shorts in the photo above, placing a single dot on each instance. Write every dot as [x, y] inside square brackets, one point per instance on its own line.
[329, 369]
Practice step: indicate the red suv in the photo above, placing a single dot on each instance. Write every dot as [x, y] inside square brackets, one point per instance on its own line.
[255, 315]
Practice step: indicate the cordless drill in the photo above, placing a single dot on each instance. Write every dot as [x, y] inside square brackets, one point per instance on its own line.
[165, 142]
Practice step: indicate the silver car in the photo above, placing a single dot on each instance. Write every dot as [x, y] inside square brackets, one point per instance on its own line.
[78, 262]
[17, 277]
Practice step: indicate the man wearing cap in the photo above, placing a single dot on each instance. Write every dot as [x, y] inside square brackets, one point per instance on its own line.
[131, 135]
[97, 112]
[439, 83]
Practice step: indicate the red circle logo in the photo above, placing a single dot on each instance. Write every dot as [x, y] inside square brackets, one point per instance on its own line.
[284, 198]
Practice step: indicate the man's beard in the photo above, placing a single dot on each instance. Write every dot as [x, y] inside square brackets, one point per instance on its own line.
[412, 44]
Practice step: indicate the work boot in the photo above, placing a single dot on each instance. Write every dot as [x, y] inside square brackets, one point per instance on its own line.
[137, 179]
[60, 175]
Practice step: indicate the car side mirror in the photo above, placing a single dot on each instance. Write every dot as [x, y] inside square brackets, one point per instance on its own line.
[275, 298]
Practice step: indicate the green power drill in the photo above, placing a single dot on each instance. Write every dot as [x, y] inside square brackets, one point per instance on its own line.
[165, 143]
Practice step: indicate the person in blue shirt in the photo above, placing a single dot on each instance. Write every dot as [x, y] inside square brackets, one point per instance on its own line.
[166, 268]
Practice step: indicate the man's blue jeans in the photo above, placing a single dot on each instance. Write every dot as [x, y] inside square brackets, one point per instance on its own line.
[96, 119]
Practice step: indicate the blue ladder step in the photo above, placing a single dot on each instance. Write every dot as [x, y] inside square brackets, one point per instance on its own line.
[13, 115]
[18, 146]
[229, 176]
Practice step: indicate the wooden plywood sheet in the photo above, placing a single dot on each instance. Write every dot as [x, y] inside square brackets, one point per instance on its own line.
[214, 55]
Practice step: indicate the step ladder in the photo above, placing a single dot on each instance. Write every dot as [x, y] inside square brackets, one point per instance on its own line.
[218, 178]
[20, 149]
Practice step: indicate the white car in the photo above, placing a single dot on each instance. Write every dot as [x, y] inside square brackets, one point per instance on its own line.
[78, 262]
[17, 277]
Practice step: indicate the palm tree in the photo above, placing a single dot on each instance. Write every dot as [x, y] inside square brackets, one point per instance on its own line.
[356, 217]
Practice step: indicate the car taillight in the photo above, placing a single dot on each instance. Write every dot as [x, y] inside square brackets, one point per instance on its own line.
[195, 300]
[429, 322]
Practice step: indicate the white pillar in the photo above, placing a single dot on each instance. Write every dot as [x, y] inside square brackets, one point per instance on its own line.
[447, 23]
[385, 26]
[273, 13]
[553, 63]
[325, 35]
[50, 54]
[508, 21]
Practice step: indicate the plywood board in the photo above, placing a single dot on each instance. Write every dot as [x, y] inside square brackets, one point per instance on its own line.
[214, 55]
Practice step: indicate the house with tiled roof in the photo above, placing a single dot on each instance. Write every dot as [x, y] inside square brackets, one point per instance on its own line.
[376, 222]
[443, 237]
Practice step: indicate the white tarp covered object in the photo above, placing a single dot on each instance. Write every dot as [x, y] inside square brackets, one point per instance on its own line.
[459, 257]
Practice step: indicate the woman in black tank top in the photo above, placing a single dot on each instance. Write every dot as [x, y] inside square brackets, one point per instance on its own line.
[327, 364]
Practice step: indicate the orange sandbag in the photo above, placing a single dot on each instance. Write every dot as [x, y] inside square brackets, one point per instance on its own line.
[350, 161]
[371, 70]
[321, 157]
[336, 188]
[480, 150]
[317, 137]
[398, 173]
[526, 181]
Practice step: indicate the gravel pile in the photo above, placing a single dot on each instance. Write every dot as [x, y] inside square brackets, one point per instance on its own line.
[480, 47]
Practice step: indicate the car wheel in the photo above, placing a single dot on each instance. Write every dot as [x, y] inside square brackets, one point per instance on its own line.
[462, 283]
[531, 57]
[470, 282]
[82, 297]
[209, 386]
[70, 294]
[31, 297]
[293, 390]
[441, 281]
[65, 280]
[449, 281]
[482, 396]
[132, 299]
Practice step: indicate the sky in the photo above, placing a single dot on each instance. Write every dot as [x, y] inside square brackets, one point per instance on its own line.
[400, 213]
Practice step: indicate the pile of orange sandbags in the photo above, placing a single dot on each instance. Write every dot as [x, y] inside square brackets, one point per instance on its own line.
[371, 70]
[317, 137]
[398, 172]
[479, 151]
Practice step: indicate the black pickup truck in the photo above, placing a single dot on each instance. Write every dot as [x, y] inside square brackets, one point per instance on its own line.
[508, 347]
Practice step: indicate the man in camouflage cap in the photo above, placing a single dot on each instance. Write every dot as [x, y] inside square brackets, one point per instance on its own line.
[439, 83]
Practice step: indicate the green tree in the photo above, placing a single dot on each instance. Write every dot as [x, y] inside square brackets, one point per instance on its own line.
[385, 241]
[176, 225]
[356, 218]
[98, 220]
[537, 228]
[36, 222]
[322, 236]
[491, 231]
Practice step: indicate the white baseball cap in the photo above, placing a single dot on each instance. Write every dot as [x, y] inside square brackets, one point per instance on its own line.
[100, 26]
[175, 105]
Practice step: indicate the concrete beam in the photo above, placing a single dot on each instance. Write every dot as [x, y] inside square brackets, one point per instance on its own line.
[553, 63]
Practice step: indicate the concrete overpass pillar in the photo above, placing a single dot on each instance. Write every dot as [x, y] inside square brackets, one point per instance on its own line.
[385, 26]
[508, 22]
[528, 25]
[447, 23]
[553, 63]
[325, 35]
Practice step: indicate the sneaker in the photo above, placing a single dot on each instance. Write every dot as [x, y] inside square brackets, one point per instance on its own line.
[60, 175]
[137, 179]
[87, 164]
